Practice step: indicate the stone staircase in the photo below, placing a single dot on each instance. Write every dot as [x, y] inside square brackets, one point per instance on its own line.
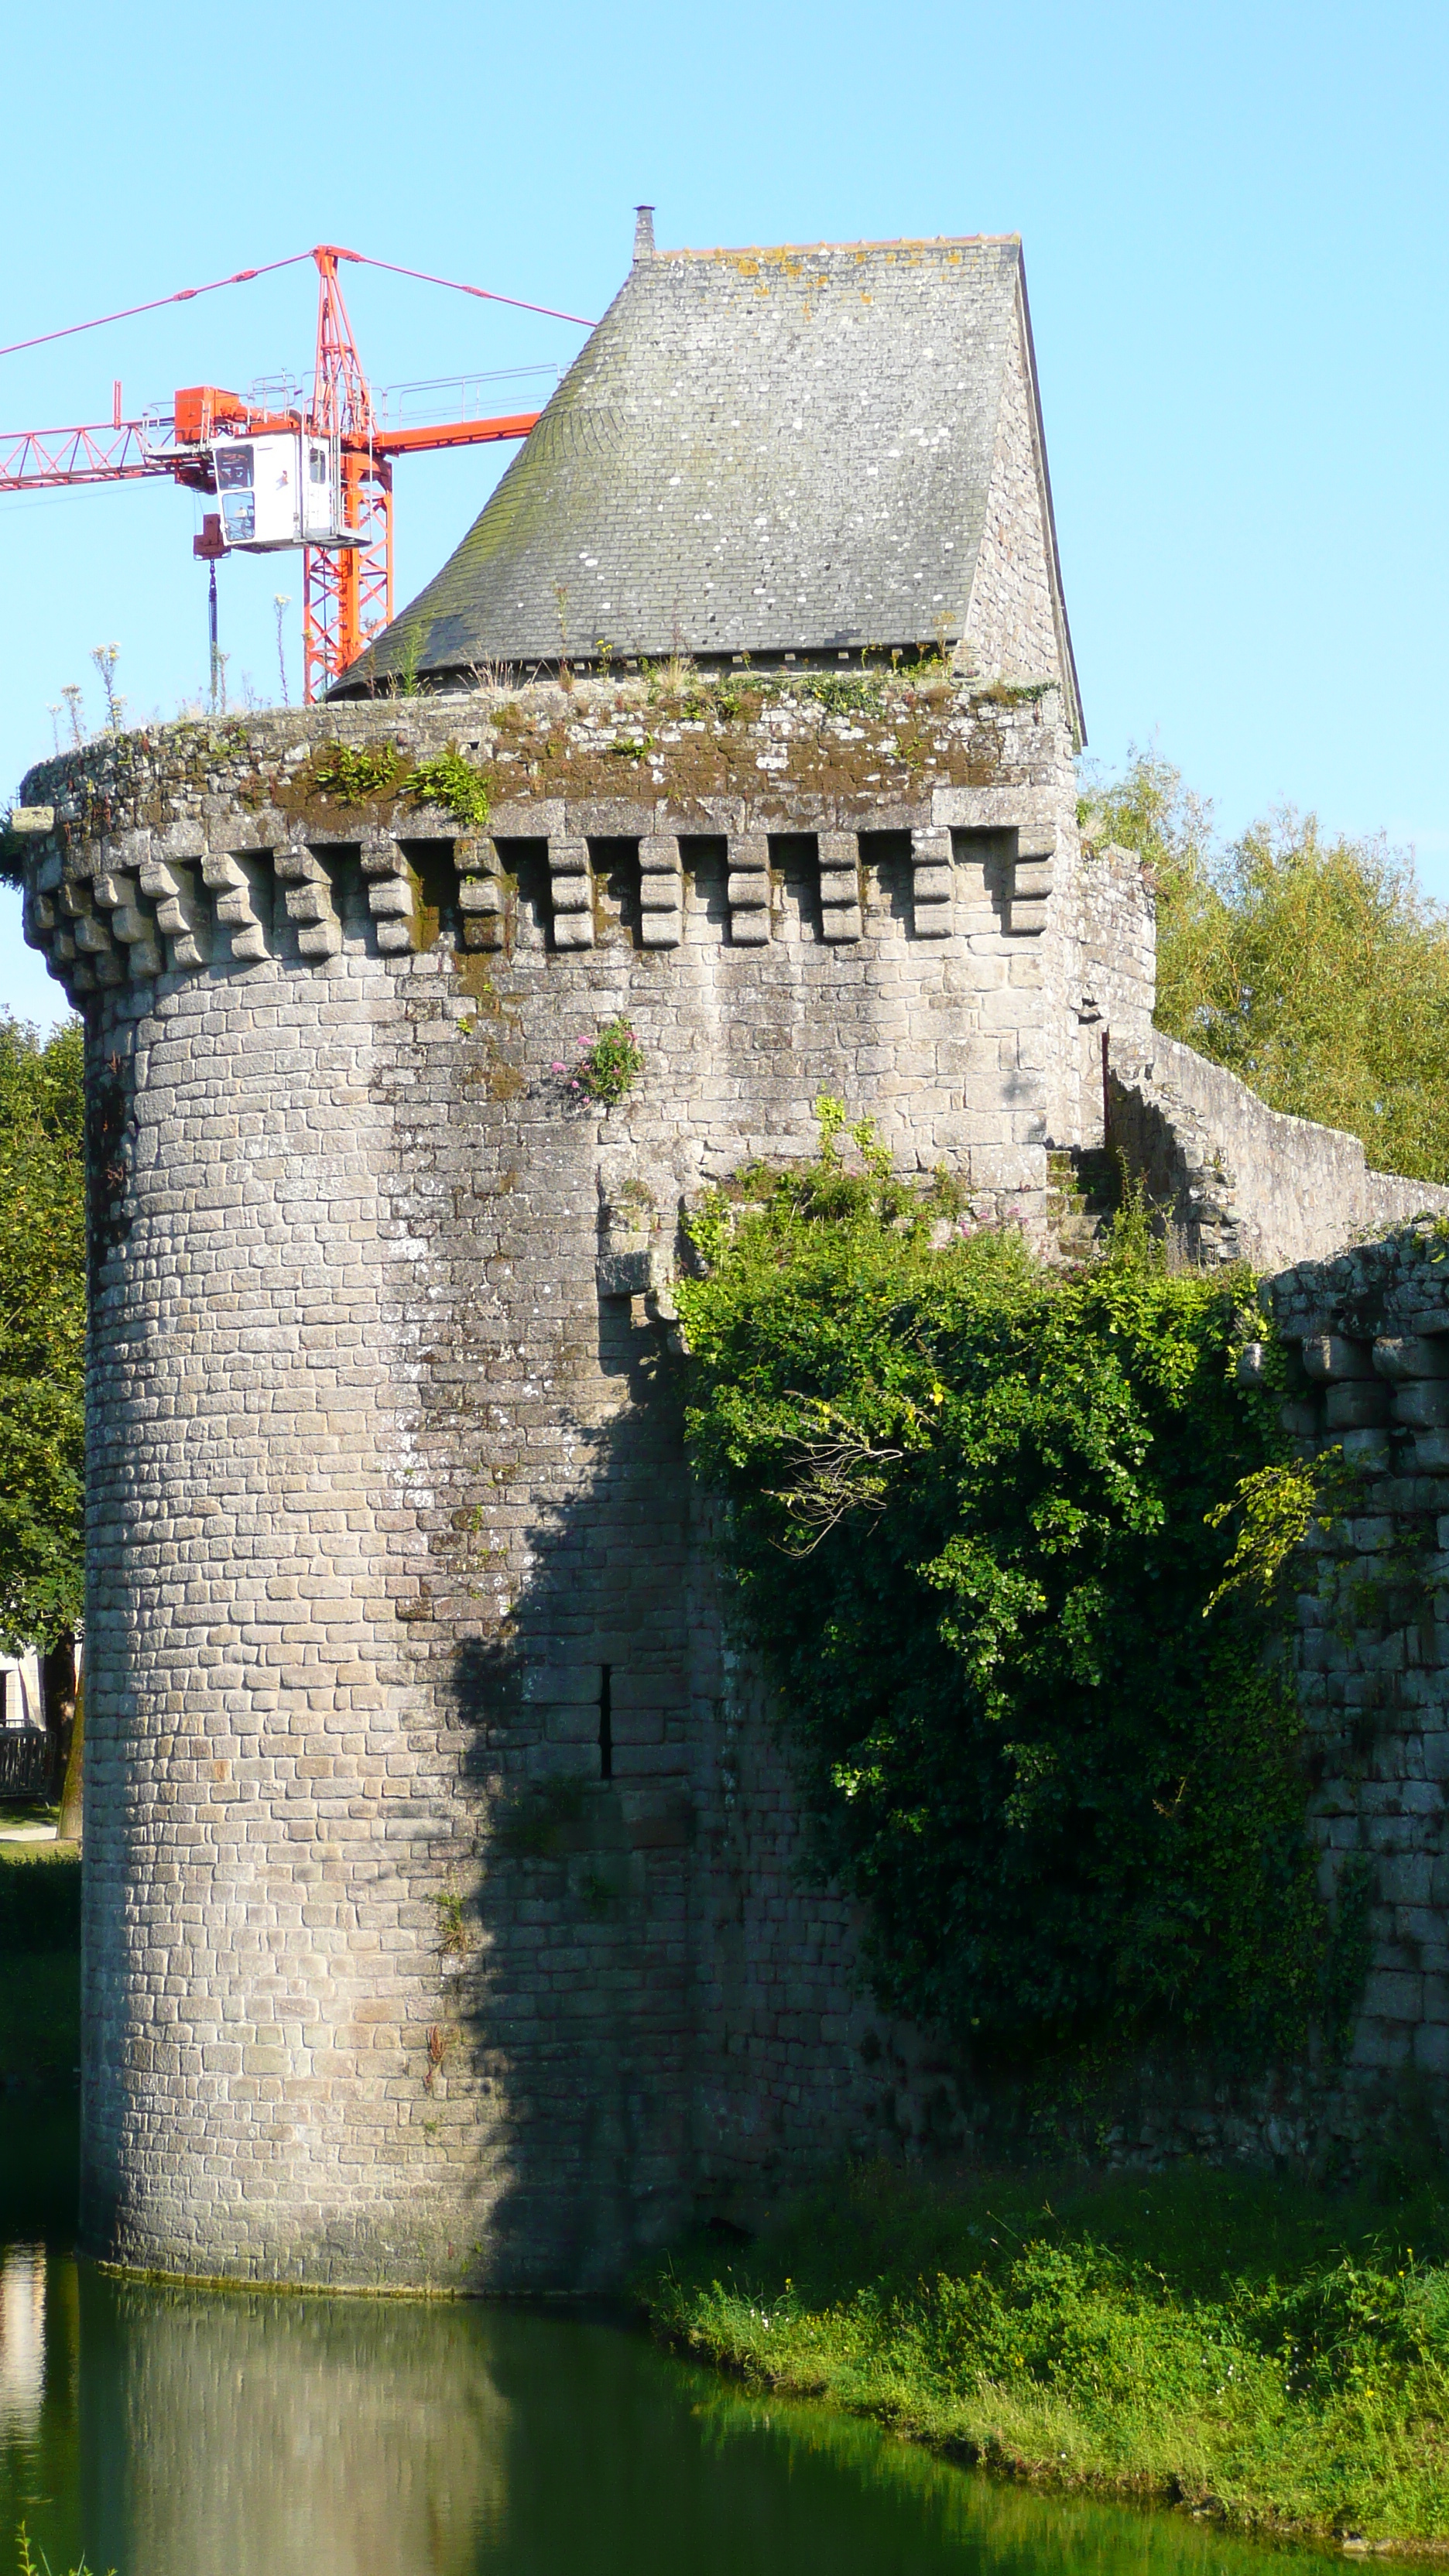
[1084, 1190]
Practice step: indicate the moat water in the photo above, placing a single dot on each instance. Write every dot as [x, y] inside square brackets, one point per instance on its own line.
[176, 2433]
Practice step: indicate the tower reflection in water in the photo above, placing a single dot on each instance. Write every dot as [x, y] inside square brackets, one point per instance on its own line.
[22, 2340]
[241, 2435]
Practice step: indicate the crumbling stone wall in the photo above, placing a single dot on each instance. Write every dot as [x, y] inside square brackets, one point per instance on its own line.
[1233, 1180]
[1115, 975]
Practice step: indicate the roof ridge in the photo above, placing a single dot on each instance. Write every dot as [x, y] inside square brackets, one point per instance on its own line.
[798, 250]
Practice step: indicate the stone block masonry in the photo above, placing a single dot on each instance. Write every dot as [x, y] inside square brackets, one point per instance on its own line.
[444, 1922]
[1231, 1179]
[441, 1919]
[1369, 1336]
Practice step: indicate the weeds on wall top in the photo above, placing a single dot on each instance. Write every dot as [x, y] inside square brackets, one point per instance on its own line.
[976, 1518]
[354, 773]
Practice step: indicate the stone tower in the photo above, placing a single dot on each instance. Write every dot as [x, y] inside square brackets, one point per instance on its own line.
[442, 1924]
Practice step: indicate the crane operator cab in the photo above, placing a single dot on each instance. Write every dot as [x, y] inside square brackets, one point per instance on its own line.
[281, 489]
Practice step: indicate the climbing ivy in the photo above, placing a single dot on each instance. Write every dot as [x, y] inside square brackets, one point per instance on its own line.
[976, 1521]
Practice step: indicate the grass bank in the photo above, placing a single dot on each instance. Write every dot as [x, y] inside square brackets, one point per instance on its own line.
[1241, 2346]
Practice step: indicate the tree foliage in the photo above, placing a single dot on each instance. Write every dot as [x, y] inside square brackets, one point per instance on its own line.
[973, 1533]
[42, 1332]
[1316, 970]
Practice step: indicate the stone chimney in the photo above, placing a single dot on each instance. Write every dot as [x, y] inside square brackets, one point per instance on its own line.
[643, 232]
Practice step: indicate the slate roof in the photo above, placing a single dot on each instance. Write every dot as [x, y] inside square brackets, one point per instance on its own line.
[756, 451]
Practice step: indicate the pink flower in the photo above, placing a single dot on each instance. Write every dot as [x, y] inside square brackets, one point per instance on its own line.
[556, 1068]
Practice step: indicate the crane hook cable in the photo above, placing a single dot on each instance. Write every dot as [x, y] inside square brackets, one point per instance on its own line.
[243, 276]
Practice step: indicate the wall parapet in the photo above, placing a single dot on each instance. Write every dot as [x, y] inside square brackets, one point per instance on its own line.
[142, 847]
[1233, 1180]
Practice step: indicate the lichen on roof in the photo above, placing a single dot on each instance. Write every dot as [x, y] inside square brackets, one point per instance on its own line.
[756, 453]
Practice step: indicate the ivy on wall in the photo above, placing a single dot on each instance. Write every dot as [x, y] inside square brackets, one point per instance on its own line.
[975, 1528]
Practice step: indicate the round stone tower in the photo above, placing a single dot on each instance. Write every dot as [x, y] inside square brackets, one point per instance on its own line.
[442, 1923]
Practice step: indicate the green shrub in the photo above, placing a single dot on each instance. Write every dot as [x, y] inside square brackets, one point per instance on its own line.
[973, 1532]
[354, 772]
[447, 780]
[42, 1324]
[40, 1904]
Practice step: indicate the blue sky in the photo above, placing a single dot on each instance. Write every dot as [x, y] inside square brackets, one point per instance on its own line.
[1235, 231]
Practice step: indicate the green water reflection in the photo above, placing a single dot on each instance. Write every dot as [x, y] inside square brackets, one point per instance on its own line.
[171, 2433]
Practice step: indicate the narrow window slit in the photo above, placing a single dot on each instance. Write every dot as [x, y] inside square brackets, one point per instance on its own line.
[606, 1722]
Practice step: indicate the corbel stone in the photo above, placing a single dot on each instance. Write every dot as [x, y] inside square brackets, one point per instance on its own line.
[39, 922]
[309, 901]
[118, 893]
[391, 894]
[1331, 1356]
[180, 914]
[1031, 883]
[571, 886]
[37, 915]
[481, 894]
[933, 881]
[840, 914]
[93, 941]
[1404, 1357]
[748, 888]
[661, 890]
[230, 880]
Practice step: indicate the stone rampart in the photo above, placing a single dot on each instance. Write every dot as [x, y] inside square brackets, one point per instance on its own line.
[1231, 1179]
[1115, 981]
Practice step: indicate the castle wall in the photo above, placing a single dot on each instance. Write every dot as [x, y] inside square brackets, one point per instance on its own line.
[442, 1916]
[1370, 1333]
[1237, 1181]
[1011, 623]
[1113, 978]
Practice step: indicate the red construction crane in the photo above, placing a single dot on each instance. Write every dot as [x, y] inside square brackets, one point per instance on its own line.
[315, 475]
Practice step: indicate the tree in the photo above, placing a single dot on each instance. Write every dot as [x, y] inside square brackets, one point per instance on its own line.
[42, 1353]
[1316, 970]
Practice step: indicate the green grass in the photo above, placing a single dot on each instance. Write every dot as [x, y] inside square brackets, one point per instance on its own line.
[39, 1961]
[1243, 2346]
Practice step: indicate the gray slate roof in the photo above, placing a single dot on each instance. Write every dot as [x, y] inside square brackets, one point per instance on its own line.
[757, 451]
